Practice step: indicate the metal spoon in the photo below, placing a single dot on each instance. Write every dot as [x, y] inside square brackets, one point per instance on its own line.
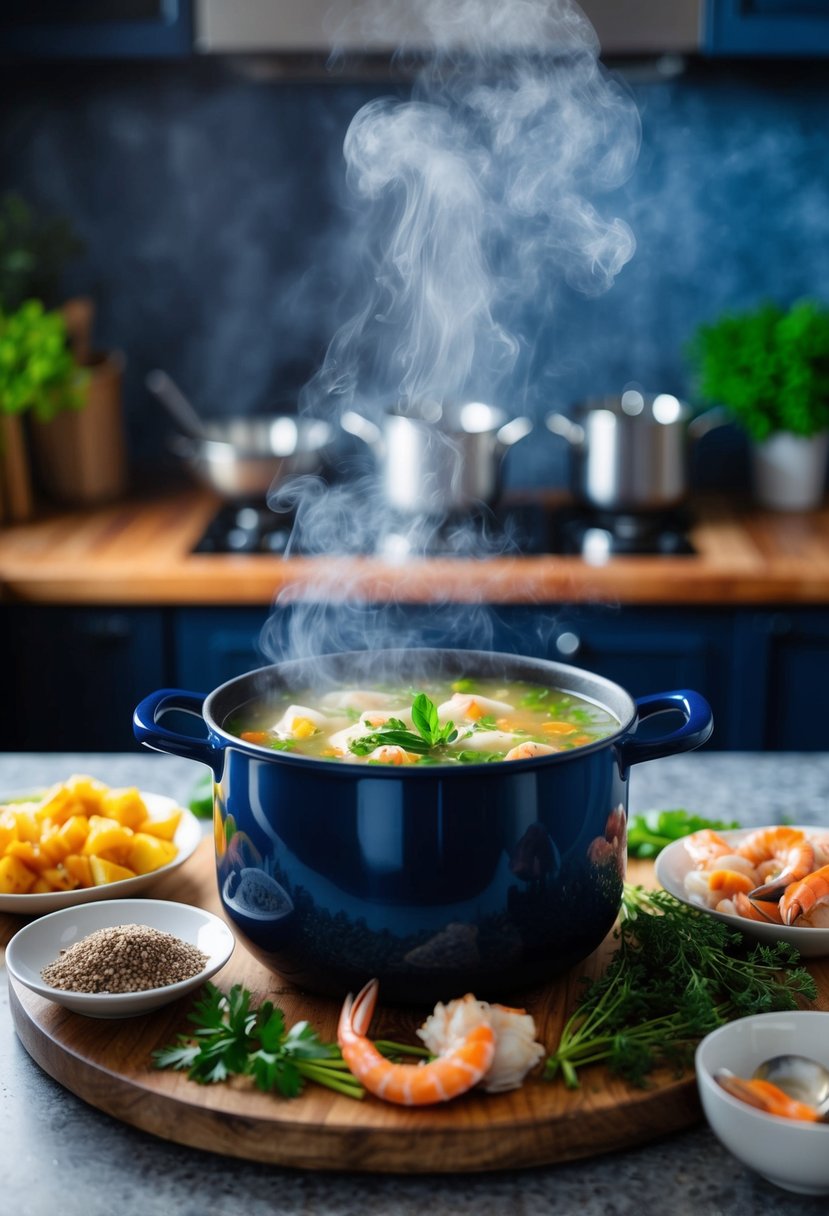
[175, 402]
[800, 1077]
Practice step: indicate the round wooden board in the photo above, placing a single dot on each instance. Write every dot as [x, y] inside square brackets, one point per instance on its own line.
[108, 1064]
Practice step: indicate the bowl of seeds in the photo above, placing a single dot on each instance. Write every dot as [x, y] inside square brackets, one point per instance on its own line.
[119, 958]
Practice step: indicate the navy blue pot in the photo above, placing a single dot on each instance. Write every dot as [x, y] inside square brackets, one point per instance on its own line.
[436, 880]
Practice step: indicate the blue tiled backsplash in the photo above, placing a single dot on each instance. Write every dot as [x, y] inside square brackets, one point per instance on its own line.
[217, 226]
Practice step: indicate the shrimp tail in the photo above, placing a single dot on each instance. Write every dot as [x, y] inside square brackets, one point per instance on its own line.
[357, 1012]
[772, 890]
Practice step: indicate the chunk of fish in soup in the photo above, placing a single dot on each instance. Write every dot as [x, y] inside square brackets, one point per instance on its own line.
[464, 721]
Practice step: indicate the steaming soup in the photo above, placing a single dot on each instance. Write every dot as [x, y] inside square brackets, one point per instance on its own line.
[458, 722]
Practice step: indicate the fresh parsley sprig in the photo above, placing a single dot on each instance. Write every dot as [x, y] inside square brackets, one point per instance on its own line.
[677, 974]
[394, 732]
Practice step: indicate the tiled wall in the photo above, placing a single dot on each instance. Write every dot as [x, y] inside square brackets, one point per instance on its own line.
[216, 222]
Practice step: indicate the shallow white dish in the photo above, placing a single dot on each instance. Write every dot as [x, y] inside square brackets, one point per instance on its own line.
[187, 837]
[673, 863]
[791, 1154]
[38, 944]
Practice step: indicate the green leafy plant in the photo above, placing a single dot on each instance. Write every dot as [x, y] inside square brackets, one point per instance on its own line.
[769, 367]
[37, 370]
[34, 250]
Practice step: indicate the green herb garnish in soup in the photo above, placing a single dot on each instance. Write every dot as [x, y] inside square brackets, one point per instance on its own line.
[450, 722]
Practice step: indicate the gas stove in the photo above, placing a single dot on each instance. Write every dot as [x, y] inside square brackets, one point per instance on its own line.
[510, 528]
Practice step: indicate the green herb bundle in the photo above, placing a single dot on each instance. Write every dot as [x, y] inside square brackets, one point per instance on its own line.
[676, 974]
[229, 1038]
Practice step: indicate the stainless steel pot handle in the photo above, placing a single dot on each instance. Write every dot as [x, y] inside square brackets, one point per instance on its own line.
[563, 426]
[362, 428]
[513, 430]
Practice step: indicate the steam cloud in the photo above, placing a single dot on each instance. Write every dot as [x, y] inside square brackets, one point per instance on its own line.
[477, 195]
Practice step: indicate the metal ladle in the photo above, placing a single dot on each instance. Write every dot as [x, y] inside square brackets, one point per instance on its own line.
[801, 1078]
[177, 405]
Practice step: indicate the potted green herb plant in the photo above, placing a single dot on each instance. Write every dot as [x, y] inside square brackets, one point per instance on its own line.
[48, 371]
[770, 368]
[37, 374]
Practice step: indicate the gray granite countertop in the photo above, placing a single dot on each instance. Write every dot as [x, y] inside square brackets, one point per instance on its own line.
[60, 1154]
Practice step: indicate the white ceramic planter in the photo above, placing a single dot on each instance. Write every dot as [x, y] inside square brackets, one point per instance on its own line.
[789, 471]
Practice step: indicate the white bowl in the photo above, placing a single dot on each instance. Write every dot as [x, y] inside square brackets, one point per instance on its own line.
[38, 944]
[674, 862]
[791, 1154]
[187, 838]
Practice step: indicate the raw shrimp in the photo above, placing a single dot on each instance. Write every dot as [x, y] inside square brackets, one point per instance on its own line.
[462, 1064]
[803, 897]
[516, 1051]
[788, 846]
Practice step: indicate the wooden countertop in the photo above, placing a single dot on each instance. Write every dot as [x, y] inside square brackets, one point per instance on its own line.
[138, 551]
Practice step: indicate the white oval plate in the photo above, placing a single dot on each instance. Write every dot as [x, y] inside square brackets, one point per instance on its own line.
[187, 837]
[39, 944]
[673, 863]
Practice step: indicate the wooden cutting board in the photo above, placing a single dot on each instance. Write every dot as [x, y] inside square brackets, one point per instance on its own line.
[108, 1064]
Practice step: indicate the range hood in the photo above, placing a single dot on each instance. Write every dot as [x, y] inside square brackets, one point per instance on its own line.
[310, 27]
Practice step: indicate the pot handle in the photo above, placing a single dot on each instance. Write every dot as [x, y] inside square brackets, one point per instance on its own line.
[146, 728]
[695, 730]
[561, 425]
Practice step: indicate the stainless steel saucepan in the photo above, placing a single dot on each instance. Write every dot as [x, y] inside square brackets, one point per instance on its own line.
[437, 460]
[631, 452]
[243, 457]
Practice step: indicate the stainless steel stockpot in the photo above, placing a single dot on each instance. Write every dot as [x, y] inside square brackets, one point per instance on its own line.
[437, 459]
[630, 452]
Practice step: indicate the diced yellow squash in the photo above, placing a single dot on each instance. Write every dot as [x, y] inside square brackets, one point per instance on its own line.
[41, 887]
[15, 877]
[57, 804]
[8, 829]
[59, 879]
[164, 828]
[149, 853]
[74, 832]
[52, 845]
[303, 728]
[125, 805]
[29, 854]
[104, 871]
[28, 827]
[107, 838]
[87, 791]
[79, 868]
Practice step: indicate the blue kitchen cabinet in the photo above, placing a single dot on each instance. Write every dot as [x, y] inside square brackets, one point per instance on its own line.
[78, 673]
[84, 29]
[757, 28]
[213, 645]
[783, 661]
